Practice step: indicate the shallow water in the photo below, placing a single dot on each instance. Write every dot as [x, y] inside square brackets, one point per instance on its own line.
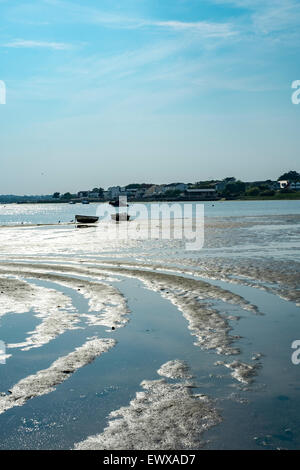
[11, 214]
[230, 311]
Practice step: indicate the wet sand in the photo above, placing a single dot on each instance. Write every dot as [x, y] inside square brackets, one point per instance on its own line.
[45, 270]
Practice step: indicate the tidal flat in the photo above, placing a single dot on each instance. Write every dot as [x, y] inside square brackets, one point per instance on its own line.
[143, 344]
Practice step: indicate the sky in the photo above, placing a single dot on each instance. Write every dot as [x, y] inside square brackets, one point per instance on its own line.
[112, 92]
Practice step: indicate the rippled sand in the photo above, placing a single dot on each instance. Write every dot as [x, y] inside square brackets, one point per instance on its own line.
[163, 416]
[256, 252]
[44, 381]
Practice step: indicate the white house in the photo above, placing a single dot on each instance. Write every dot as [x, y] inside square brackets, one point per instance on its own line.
[176, 187]
[114, 192]
[283, 184]
[155, 190]
[295, 185]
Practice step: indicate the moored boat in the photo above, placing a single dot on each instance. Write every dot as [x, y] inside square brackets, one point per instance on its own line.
[118, 203]
[86, 219]
[123, 216]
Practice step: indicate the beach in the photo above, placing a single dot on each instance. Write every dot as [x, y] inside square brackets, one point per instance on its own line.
[132, 342]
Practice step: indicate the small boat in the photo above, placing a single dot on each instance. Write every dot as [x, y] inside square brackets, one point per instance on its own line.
[85, 202]
[118, 204]
[120, 217]
[86, 219]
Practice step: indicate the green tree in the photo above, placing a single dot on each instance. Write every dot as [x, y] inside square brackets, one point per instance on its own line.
[229, 179]
[267, 192]
[172, 193]
[254, 191]
[99, 191]
[236, 188]
[56, 195]
[133, 185]
[290, 175]
[67, 196]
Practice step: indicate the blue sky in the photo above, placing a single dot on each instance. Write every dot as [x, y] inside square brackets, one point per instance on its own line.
[117, 91]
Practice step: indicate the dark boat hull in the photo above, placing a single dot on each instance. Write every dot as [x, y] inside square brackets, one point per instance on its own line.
[120, 217]
[118, 204]
[86, 219]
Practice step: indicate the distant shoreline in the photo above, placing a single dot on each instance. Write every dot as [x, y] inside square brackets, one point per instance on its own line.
[277, 197]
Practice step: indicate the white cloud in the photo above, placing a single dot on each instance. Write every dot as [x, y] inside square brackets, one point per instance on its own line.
[204, 28]
[26, 43]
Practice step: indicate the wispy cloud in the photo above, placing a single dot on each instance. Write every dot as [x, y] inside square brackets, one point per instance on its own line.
[26, 43]
[277, 16]
[206, 29]
[268, 16]
[61, 11]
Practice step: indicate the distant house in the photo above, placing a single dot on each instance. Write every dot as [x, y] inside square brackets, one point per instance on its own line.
[83, 194]
[175, 187]
[88, 195]
[273, 185]
[130, 192]
[221, 185]
[201, 194]
[155, 190]
[114, 192]
[140, 193]
[283, 184]
[93, 195]
[294, 185]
